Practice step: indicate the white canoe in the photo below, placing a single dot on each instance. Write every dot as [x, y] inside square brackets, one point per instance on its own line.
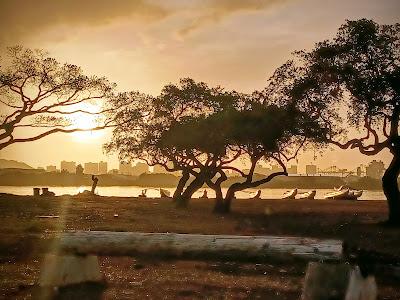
[308, 195]
[342, 188]
[165, 193]
[343, 194]
[290, 194]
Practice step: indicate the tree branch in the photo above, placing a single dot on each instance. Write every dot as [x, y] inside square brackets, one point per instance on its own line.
[54, 130]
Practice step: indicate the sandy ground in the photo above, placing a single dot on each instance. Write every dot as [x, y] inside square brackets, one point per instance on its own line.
[133, 278]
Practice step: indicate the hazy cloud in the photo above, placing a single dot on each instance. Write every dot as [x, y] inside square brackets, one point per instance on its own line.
[213, 11]
[23, 18]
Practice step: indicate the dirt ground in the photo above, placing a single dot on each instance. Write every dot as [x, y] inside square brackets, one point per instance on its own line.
[21, 252]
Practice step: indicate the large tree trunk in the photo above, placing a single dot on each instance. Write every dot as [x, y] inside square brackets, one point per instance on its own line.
[391, 190]
[224, 205]
[219, 200]
[181, 185]
[184, 198]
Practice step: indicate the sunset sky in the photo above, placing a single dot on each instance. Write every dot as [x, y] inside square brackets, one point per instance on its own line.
[143, 45]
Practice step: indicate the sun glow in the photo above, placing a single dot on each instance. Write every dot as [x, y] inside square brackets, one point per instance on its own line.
[85, 122]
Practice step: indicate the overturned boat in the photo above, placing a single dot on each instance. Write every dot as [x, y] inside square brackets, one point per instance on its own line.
[307, 196]
[165, 193]
[290, 194]
[342, 194]
[352, 193]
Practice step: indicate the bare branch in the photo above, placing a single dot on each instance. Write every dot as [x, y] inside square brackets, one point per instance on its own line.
[54, 130]
[357, 143]
[234, 169]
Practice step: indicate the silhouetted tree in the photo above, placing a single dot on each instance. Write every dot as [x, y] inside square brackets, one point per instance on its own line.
[252, 133]
[39, 93]
[144, 125]
[202, 131]
[246, 129]
[358, 70]
[202, 143]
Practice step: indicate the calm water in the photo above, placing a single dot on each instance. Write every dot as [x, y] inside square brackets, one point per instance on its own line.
[133, 191]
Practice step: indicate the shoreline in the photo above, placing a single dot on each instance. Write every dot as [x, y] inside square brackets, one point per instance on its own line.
[167, 187]
[127, 198]
[14, 177]
[135, 191]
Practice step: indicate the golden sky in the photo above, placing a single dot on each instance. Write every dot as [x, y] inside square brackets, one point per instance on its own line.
[145, 44]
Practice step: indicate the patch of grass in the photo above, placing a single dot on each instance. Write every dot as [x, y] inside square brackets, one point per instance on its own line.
[34, 226]
[22, 243]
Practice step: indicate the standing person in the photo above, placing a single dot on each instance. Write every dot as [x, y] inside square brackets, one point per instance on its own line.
[204, 196]
[95, 180]
[258, 195]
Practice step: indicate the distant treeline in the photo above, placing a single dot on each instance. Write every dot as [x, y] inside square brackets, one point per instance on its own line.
[19, 177]
[322, 182]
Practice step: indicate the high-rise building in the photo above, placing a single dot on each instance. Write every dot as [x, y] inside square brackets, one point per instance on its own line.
[311, 169]
[91, 168]
[102, 167]
[125, 168]
[113, 171]
[359, 171]
[292, 170]
[276, 168]
[68, 166]
[157, 169]
[140, 168]
[375, 169]
[51, 169]
[262, 170]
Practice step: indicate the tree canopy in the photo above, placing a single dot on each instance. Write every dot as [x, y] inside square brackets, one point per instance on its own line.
[38, 92]
[146, 126]
[359, 72]
[203, 131]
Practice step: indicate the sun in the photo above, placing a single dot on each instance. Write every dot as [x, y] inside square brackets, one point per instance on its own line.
[86, 121]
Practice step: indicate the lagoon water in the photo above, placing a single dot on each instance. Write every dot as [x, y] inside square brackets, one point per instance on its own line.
[134, 191]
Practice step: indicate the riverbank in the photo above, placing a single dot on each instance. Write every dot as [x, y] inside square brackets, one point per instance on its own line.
[134, 191]
[20, 256]
[20, 177]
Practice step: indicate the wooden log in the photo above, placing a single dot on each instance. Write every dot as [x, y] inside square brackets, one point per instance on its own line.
[199, 246]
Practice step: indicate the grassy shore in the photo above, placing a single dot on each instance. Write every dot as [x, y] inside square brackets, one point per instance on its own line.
[352, 221]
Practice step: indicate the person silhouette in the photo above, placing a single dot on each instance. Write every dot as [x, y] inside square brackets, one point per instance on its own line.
[258, 195]
[204, 196]
[94, 184]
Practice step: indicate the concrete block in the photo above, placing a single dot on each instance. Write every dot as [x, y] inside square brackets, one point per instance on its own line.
[337, 282]
[64, 270]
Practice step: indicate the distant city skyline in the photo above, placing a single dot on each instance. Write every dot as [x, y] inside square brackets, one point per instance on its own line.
[376, 168]
[235, 44]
